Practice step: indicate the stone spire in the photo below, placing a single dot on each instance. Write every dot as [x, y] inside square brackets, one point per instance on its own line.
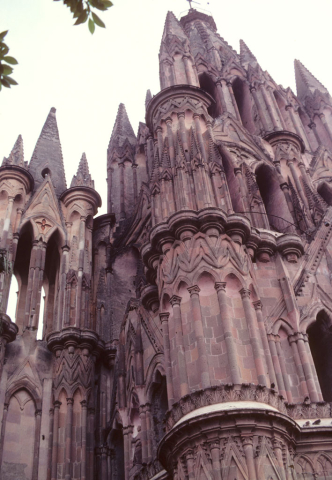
[173, 28]
[148, 98]
[306, 83]
[82, 177]
[246, 56]
[16, 156]
[47, 156]
[122, 135]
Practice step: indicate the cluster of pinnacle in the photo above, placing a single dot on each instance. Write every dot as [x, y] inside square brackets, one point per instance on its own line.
[47, 155]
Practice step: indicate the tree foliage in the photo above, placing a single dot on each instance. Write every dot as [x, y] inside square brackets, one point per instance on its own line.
[5, 64]
[82, 10]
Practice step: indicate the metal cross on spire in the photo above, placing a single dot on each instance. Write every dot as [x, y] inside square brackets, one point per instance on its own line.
[190, 3]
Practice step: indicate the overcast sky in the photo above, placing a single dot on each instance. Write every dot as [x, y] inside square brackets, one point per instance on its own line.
[85, 77]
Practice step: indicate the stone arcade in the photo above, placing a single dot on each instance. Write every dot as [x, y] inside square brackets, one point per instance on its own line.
[187, 333]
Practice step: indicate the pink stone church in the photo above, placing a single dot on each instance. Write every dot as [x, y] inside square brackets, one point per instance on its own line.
[187, 333]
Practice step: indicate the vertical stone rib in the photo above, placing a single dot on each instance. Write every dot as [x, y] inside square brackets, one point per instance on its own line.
[181, 361]
[227, 328]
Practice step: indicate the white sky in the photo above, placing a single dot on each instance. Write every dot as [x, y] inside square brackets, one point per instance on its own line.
[85, 77]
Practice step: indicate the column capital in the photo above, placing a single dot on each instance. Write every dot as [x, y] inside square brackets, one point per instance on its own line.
[70, 401]
[57, 404]
[38, 413]
[245, 293]
[164, 316]
[220, 286]
[196, 115]
[169, 120]
[258, 305]
[247, 440]
[84, 403]
[159, 129]
[180, 114]
[175, 300]
[194, 290]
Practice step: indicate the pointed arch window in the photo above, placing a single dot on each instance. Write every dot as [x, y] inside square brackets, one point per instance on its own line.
[244, 104]
[320, 342]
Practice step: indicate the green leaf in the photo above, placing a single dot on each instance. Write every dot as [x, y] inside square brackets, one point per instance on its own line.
[91, 25]
[82, 18]
[11, 81]
[5, 83]
[107, 3]
[3, 34]
[5, 69]
[10, 60]
[3, 50]
[97, 20]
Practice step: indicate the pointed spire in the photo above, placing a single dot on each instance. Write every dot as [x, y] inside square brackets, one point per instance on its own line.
[16, 156]
[47, 156]
[83, 177]
[173, 27]
[246, 56]
[306, 83]
[122, 135]
[148, 98]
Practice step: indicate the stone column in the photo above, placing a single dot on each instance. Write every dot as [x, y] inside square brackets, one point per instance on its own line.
[236, 110]
[167, 355]
[3, 429]
[296, 179]
[227, 328]
[221, 96]
[275, 359]
[268, 103]
[277, 447]
[127, 448]
[243, 190]
[313, 368]
[122, 192]
[255, 339]
[84, 438]
[103, 454]
[199, 334]
[149, 428]
[142, 416]
[38, 414]
[169, 123]
[312, 125]
[284, 370]
[35, 282]
[6, 224]
[50, 444]
[91, 443]
[300, 371]
[54, 475]
[314, 397]
[181, 360]
[270, 368]
[60, 317]
[183, 134]
[135, 186]
[68, 446]
[247, 443]
[259, 108]
[215, 454]
[277, 109]
[80, 273]
[190, 464]
[200, 136]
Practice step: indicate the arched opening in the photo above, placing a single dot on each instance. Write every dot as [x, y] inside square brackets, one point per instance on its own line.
[19, 435]
[159, 408]
[320, 341]
[21, 272]
[208, 85]
[279, 216]
[12, 299]
[233, 184]
[325, 191]
[243, 100]
[117, 453]
[51, 274]
[41, 315]
[46, 172]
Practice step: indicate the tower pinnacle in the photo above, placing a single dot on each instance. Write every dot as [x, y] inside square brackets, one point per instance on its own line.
[306, 83]
[47, 156]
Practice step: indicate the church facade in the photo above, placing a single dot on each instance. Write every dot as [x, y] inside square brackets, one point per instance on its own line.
[187, 333]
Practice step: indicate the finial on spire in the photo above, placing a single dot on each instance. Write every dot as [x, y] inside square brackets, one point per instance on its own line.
[16, 156]
[82, 177]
